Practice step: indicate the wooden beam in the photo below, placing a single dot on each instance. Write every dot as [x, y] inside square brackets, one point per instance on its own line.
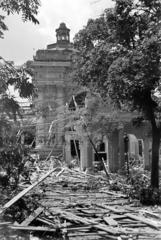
[100, 226]
[46, 221]
[105, 169]
[143, 220]
[115, 210]
[110, 221]
[33, 228]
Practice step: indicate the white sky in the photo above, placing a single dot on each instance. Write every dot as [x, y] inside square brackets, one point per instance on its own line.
[23, 39]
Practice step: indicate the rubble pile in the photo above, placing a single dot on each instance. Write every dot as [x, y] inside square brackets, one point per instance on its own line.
[76, 205]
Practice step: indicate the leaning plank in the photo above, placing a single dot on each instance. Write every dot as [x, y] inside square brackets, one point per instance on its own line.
[33, 228]
[25, 191]
[105, 169]
[46, 221]
[33, 215]
[143, 220]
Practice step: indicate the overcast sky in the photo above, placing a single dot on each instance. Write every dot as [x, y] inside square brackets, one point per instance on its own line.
[23, 39]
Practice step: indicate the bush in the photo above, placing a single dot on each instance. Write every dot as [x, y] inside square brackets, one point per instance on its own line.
[138, 179]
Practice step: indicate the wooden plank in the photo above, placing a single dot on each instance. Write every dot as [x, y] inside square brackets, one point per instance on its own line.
[80, 228]
[25, 191]
[4, 223]
[33, 228]
[82, 174]
[118, 217]
[85, 234]
[51, 223]
[151, 214]
[143, 220]
[32, 216]
[119, 195]
[46, 221]
[105, 169]
[115, 210]
[110, 221]
[134, 225]
[73, 217]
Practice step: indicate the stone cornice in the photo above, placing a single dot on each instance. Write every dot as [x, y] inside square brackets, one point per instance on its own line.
[51, 64]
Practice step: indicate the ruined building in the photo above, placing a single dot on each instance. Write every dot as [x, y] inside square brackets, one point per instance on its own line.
[52, 67]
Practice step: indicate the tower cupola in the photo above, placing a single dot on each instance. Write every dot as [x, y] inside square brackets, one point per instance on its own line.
[62, 34]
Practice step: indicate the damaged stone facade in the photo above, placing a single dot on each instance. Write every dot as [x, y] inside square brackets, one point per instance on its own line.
[52, 68]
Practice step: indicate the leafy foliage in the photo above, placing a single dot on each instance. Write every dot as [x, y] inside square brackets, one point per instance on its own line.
[120, 56]
[27, 8]
[12, 165]
[3, 26]
[20, 79]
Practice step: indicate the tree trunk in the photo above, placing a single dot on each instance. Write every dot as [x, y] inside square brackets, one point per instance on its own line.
[155, 157]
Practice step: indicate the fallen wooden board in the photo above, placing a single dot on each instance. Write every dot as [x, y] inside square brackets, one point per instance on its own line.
[25, 191]
[46, 221]
[33, 228]
[151, 214]
[119, 195]
[110, 221]
[92, 236]
[143, 220]
[33, 215]
[4, 223]
[72, 217]
[115, 210]
[86, 174]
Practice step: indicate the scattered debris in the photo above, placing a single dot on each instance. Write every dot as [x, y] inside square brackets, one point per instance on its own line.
[76, 205]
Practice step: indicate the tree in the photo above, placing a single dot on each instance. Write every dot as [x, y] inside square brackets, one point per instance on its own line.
[9, 74]
[19, 78]
[120, 55]
[27, 8]
[12, 162]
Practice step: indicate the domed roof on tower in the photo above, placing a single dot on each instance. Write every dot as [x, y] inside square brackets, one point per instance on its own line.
[63, 34]
[63, 38]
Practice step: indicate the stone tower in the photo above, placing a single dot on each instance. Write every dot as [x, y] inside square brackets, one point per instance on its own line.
[51, 77]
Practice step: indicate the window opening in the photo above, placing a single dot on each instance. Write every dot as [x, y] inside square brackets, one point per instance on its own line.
[101, 150]
[140, 142]
[74, 146]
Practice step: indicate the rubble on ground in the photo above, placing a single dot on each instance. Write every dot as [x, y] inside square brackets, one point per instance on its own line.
[70, 204]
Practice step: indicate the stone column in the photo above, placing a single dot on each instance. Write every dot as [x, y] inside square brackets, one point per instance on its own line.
[121, 147]
[86, 154]
[67, 149]
[147, 154]
[59, 117]
[40, 134]
[90, 156]
[40, 121]
[83, 153]
[114, 163]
